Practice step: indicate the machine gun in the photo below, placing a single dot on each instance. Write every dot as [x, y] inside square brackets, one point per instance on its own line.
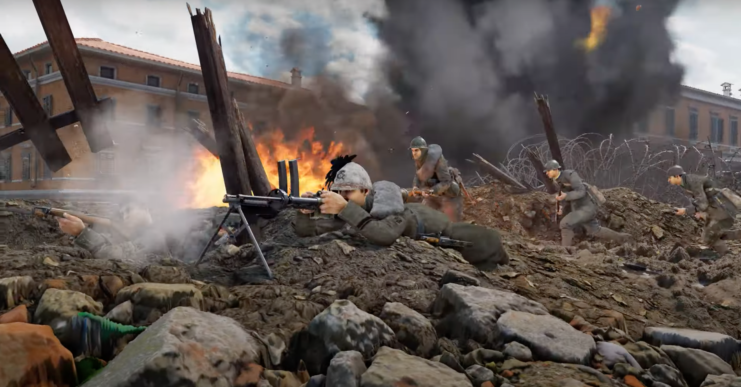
[442, 241]
[276, 201]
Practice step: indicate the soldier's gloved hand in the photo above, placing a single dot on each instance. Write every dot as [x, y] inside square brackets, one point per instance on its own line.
[561, 197]
[680, 211]
[71, 225]
[307, 195]
[700, 215]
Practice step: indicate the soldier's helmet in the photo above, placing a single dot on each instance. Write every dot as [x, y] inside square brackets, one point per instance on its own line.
[675, 170]
[551, 165]
[351, 177]
[418, 143]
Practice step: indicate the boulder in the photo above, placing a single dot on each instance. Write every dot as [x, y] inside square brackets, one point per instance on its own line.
[152, 300]
[14, 290]
[165, 274]
[411, 328]
[394, 368]
[518, 351]
[722, 381]
[479, 374]
[722, 345]
[482, 357]
[647, 355]
[30, 355]
[548, 337]
[456, 277]
[186, 347]
[614, 353]
[696, 364]
[471, 312]
[18, 314]
[345, 369]
[122, 313]
[668, 375]
[63, 304]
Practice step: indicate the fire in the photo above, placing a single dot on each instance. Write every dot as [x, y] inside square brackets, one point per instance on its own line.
[207, 189]
[600, 16]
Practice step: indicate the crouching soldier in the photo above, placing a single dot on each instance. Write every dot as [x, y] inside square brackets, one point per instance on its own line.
[710, 205]
[378, 212]
[582, 207]
[434, 179]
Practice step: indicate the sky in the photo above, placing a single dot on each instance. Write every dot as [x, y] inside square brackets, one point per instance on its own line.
[329, 34]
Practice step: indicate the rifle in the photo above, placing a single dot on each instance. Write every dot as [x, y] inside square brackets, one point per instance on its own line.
[558, 207]
[276, 201]
[42, 212]
[439, 240]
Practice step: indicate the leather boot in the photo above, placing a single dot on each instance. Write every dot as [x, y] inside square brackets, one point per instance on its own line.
[611, 235]
[567, 236]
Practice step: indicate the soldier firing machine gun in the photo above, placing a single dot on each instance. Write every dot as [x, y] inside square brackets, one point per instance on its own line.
[276, 201]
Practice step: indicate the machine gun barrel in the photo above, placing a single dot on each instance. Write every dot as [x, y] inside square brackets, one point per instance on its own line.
[276, 200]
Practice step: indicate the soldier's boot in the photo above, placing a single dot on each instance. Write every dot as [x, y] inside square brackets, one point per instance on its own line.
[612, 235]
[567, 236]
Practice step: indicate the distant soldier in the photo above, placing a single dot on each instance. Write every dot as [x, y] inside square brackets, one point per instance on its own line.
[582, 205]
[708, 204]
[434, 178]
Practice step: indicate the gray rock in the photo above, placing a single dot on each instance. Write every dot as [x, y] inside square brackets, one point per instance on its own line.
[122, 314]
[722, 381]
[317, 381]
[518, 351]
[569, 382]
[456, 277]
[659, 384]
[614, 353]
[63, 304]
[548, 337]
[394, 368]
[722, 345]
[344, 327]
[411, 328]
[482, 357]
[471, 312]
[184, 347]
[647, 355]
[345, 369]
[451, 361]
[664, 374]
[478, 374]
[696, 364]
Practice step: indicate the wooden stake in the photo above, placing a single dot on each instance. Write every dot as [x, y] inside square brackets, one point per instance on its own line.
[500, 175]
[550, 131]
[258, 178]
[550, 186]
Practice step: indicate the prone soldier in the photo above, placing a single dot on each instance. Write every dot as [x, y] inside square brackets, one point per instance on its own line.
[379, 214]
[708, 204]
[582, 206]
[434, 177]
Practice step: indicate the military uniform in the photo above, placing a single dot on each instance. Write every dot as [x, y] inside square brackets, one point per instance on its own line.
[583, 211]
[145, 248]
[721, 213]
[384, 218]
[433, 174]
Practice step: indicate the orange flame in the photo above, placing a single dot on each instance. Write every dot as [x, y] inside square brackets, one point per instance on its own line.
[207, 188]
[600, 16]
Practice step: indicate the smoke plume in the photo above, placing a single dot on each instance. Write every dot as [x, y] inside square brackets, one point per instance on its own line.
[467, 69]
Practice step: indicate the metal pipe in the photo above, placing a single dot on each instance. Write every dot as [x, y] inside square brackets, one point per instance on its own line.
[293, 169]
[282, 177]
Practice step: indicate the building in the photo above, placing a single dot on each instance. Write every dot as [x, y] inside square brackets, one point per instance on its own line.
[698, 116]
[153, 96]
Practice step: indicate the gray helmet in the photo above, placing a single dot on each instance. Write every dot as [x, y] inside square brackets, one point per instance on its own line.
[418, 143]
[675, 170]
[551, 165]
[351, 177]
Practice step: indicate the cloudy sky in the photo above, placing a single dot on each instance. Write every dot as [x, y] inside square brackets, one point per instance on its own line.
[333, 33]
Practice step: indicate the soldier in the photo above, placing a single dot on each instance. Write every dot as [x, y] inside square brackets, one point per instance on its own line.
[378, 212]
[434, 178]
[145, 245]
[710, 205]
[582, 206]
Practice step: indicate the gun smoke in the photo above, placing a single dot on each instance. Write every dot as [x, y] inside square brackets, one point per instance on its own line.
[467, 69]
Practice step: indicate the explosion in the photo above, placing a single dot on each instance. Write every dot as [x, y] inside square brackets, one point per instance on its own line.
[207, 188]
[600, 16]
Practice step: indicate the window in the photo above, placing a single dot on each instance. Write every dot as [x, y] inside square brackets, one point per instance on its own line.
[9, 116]
[693, 124]
[193, 88]
[669, 121]
[6, 167]
[154, 115]
[27, 73]
[153, 80]
[26, 166]
[48, 68]
[716, 128]
[106, 163]
[107, 72]
[734, 131]
[48, 107]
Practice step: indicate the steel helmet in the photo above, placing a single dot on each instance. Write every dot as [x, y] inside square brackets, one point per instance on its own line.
[418, 143]
[675, 170]
[551, 165]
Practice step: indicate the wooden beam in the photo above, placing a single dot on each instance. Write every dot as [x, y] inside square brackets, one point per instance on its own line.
[76, 79]
[14, 86]
[499, 174]
[550, 131]
[197, 130]
[550, 186]
[258, 178]
[226, 127]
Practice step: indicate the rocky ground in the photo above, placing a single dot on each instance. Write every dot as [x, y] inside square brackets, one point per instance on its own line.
[343, 313]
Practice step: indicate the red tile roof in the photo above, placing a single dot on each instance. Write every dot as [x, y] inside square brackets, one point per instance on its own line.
[100, 44]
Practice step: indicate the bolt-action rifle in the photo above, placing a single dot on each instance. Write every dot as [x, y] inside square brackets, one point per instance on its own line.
[442, 241]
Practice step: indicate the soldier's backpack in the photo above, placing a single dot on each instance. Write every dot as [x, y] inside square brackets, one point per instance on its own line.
[732, 197]
[596, 195]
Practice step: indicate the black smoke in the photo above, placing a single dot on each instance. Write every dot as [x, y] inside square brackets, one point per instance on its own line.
[466, 70]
